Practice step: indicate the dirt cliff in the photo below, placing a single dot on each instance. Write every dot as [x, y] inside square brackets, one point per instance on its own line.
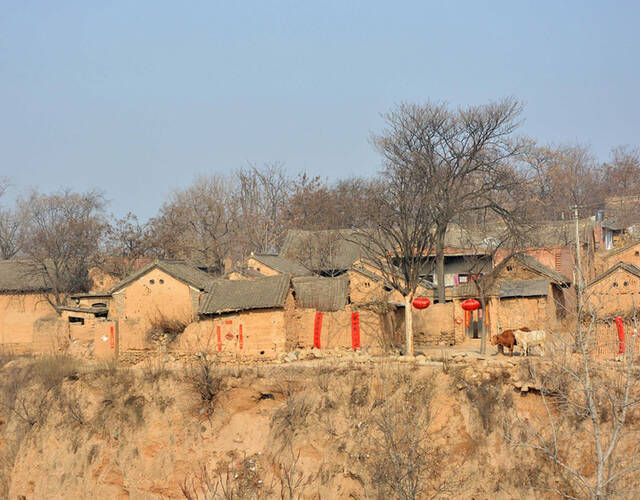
[322, 429]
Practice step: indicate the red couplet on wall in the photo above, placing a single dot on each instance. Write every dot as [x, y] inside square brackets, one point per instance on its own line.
[620, 326]
[467, 315]
[486, 318]
[317, 329]
[219, 339]
[240, 339]
[112, 338]
[355, 330]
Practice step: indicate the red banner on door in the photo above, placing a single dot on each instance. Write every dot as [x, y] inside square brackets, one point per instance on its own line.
[113, 339]
[355, 330]
[317, 330]
[240, 339]
[219, 339]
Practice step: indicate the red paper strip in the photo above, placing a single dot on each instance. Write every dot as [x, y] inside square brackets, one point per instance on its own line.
[355, 330]
[219, 339]
[317, 329]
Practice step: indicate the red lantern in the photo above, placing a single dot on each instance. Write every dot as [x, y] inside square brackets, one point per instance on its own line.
[470, 305]
[421, 302]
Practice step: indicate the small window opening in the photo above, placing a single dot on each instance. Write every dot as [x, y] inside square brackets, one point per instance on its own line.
[152, 281]
[509, 268]
[99, 304]
[637, 252]
[387, 288]
[615, 283]
[262, 352]
[73, 319]
[161, 282]
[626, 283]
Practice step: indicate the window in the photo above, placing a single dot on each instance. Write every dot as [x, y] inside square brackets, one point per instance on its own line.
[626, 283]
[73, 319]
[463, 278]
[152, 282]
[509, 268]
[161, 282]
[99, 304]
[615, 284]
[637, 252]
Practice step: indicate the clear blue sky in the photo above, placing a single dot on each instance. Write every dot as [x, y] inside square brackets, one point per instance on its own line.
[138, 97]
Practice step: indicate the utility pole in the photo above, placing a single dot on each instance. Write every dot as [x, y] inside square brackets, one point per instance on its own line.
[578, 267]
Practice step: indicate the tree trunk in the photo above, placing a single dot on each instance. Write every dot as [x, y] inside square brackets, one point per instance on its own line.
[483, 330]
[440, 264]
[408, 325]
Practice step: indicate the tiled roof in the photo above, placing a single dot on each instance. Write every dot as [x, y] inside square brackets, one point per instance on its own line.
[322, 294]
[538, 267]
[20, 276]
[523, 288]
[282, 265]
[241, 295]
[329, 250]
[179, 269]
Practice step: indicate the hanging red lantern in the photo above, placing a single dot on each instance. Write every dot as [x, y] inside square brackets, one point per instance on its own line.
[470, 305]
[421, 302]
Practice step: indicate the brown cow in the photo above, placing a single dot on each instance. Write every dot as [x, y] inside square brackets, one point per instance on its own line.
[506, 339]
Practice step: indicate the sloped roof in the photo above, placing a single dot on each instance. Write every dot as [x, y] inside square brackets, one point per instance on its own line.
[538, 267]
[281, 264]
[622, 248]
[246, 272]
[19, 276]
[323, 250]
[523, 288]
[242, 295]
[374, 276]
[630, 268]
[179, 269]
[322, 294]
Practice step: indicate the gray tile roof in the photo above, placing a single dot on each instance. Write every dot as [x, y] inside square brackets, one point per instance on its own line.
[322, 294]
[282, 265]
[538, 267]
[179, 269]
[329, 250]
[19, 276]
[630, 268]
[241, 295]
[523, 288]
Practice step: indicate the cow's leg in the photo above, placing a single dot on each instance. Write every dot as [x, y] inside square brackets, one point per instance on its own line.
[511, 350]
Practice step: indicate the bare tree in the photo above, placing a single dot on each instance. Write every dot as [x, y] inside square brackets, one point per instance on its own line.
[127, 242]
[62, 239]
[566, 175]
[198, 222]
[262, 195]
[11, 225]
[591, 407]
[400, 235]
[463, 156]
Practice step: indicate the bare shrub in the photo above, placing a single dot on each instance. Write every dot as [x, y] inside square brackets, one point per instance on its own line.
[290, 417]
[205, 380]
[230, 480]
[401, 460]
[164, 329]
[120, 400]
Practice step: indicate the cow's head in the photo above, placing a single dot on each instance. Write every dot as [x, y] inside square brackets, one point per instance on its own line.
[494, 340]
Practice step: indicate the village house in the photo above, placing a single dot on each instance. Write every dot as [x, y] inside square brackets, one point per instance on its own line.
[521, 291]
[27, 318]
[628, 253]
[162, 292]
[241, 318]
[614, 293]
